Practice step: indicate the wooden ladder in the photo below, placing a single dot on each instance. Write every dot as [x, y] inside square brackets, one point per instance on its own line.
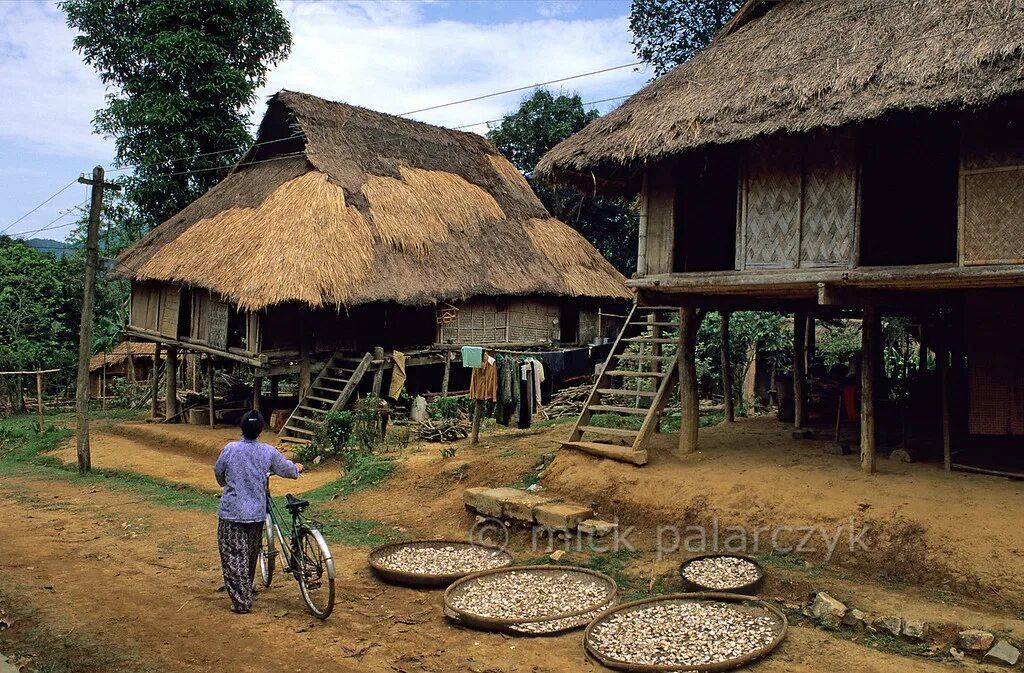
[636, 356]
[332, 390]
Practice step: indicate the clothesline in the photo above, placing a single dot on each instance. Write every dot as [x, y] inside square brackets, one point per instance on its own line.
[34, 371]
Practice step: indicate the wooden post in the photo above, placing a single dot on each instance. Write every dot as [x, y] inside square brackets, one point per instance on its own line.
[210, 375]
[870, 329]
[305, 369]
[689, 420]
[378, 374]
[445, 379]
[943, 370]
[811, 345]
[750, 378]
[257, 391]
[478, 412]
[275, 388]
[799, 373]
[103, 383]
[154, 383]
[39, 400]
[730, 407]
[171, 374]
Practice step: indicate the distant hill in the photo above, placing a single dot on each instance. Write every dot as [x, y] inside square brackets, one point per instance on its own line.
[49, 247]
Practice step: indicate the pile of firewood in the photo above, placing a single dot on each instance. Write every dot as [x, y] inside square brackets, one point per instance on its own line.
[568, 402]
[444, 430]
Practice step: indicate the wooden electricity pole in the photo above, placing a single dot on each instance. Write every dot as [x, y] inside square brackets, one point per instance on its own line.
[92, 255]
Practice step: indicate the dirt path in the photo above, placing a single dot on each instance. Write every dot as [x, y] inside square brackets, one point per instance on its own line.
[136, 584]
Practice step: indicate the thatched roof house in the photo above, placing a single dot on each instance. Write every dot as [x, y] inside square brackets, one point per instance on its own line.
[795, 65]
[340, 205]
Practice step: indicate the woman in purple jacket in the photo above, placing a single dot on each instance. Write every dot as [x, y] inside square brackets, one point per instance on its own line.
[242, 470]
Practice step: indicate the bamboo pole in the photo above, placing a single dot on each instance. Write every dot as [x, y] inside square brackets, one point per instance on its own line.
[39, 400]
[446, 378]
[869, 345]
[727, 388]
[171, 374]
[689, 420]
[799, 373]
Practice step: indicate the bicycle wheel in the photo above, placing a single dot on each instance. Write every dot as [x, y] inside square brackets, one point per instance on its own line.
[316, 572]
[268, 555]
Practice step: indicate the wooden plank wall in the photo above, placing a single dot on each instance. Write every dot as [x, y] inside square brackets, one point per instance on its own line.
[660, 199]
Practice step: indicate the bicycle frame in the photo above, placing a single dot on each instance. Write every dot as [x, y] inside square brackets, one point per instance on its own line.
[287, 538]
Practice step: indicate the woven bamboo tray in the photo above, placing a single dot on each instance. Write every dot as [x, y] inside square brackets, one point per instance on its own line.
[424, 580]
[749, 589]
[746, 603]
[532, 626]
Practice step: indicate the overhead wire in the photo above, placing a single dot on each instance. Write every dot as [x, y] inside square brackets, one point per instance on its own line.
[43, 203]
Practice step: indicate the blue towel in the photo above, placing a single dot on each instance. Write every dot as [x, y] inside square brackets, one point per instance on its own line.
[472, 356]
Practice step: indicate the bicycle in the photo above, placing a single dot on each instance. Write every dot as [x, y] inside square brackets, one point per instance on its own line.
[306, 555]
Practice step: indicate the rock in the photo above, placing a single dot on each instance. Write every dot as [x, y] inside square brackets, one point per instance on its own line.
[543, 461]
[557, 555]
[519, 506]
[597, 528]
[488, 501]
[828, 609]
[1003, 654]
[534, 488]
[418, 409]
[5, 667]
[900, 456]
[975, 640]
[956, 654]
[914, 629]
[855, 618]
[563, 516]
[889, 624]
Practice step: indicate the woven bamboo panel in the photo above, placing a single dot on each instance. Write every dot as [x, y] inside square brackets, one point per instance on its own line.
[532, 321]
[772, 215]
[993, 217]
[478, 323]
[829, 203]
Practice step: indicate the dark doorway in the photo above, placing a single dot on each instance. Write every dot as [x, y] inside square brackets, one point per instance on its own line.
[705, 213]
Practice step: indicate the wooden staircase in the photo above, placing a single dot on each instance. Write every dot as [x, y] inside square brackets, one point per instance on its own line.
[637, 381]
[332, 390]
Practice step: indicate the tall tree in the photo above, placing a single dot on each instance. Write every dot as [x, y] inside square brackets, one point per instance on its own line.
[183, 74]
[542, 121]
[668, 32]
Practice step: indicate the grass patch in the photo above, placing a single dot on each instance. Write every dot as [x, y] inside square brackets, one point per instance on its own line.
[550, 422]
[893, 644]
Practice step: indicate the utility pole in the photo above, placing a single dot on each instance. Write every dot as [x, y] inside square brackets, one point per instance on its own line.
[92, 261]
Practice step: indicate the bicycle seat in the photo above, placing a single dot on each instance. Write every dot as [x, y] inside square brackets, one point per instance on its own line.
[294, 504]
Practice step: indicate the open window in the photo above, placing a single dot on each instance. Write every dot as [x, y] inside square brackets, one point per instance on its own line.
[705, 213]
[909, 186]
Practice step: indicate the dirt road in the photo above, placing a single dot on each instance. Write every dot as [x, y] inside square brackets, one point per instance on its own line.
[104, 581]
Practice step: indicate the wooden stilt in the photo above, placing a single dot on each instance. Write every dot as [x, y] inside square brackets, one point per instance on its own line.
[942, 369]
[257, 391]
[378, 374]
[171, 373]
[689, 421]
[870, 329]
[275, 388]
[811, 345]
[154, 387]
[39, 401]
[305, 369]
[478, 412]
[447, 373]
[727, 389]
[211, 372]
[799, 373]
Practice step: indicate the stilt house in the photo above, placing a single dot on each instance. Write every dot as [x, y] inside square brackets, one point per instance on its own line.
[345, 234]
[851, 157]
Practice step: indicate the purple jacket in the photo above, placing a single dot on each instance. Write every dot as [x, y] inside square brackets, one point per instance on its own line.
[242, 470]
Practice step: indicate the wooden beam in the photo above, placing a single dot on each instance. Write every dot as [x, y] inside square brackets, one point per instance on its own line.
[799, 373]
[171, 373]
[870, 329]
[185, 344]
[210, 373]
[378, 375]
[257, 391]
[689, 420]
[727, 389]
[154, 383]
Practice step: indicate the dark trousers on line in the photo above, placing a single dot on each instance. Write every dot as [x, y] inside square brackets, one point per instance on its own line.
[239, 545]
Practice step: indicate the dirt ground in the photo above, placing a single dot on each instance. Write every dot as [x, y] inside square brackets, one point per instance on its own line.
[100, 580]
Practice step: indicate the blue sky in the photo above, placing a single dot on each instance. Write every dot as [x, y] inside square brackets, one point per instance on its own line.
[391, 56]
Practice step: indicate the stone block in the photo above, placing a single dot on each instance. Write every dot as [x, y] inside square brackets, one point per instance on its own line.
[915, 630]
[563, 516]
[1003, 654]
[889, 624]
[487, 501]
[827, 608]
[855, 618]
[597, 528]
[519, 507]
[975, 640]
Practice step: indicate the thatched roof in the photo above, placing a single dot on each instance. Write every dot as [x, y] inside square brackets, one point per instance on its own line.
[796, 65]
[340, 205]
[119, 353]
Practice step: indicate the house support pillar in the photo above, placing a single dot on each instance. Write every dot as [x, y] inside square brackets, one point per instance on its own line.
[870, 329]
[210, 373]
[378, 375]
[799, 372]
[689, 420]
[943, 370]
[257, 391]
[171, 372]
[154, 383]
[305, 369]
[811, 345]
[727, 389]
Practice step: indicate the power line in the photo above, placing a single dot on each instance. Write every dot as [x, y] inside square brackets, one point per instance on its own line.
[493, 121]
[52, 223]
[50, 198]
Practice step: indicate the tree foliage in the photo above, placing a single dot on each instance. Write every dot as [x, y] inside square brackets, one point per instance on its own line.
[668, 32]
[183, 75]
[542, 121]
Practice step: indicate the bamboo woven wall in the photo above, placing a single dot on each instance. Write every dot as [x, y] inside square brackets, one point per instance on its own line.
[771, 217]
[516, 321]
[829, 201]
[992, 192]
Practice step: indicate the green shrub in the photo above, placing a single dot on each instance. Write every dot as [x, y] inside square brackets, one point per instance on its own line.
[446, 408]
[330, 438]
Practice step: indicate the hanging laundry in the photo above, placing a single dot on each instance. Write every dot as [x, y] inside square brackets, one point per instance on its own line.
[472, 356]
[397, 375]
[524, 412]
[483, 385]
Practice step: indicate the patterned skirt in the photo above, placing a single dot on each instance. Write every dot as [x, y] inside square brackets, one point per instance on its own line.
[239, 545]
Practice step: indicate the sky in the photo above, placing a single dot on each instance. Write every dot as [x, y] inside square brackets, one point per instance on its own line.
[394, 56]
